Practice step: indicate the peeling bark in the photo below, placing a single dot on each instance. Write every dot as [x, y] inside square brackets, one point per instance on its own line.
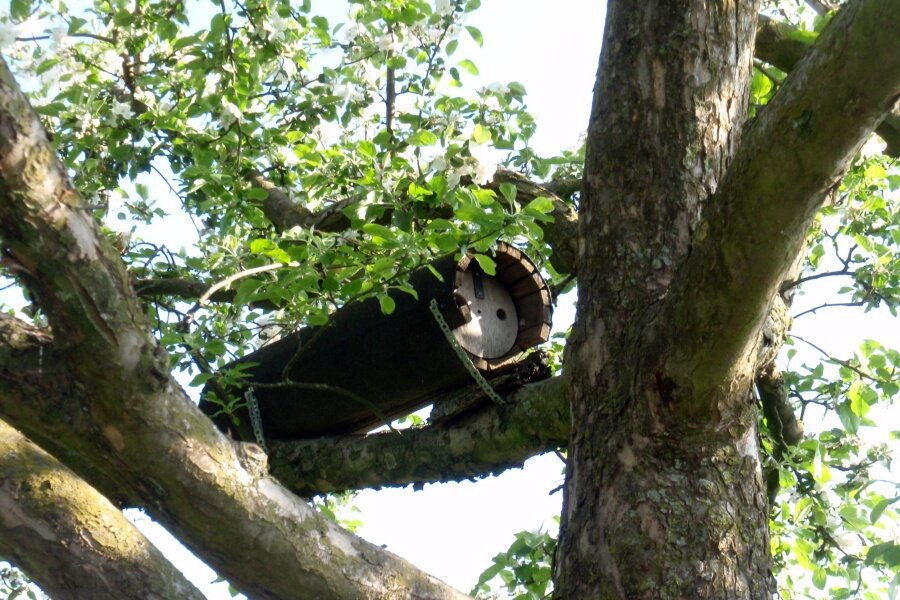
[70, 538]
[142, 430]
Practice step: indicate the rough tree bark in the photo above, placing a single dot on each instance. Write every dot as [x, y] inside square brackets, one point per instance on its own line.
[683, 244]
[70, 538]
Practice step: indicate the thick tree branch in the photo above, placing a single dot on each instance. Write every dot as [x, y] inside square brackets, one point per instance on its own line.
[69, 538]
[782, 46]
[562, 233]
[487, 441]
[754, 227]
[137, 425]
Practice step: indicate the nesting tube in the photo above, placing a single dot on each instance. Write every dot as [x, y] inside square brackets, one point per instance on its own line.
[368, 366]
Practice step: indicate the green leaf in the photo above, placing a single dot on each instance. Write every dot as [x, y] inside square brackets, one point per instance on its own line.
[476, 34]
[387, 304]
[446, 242]
[509, 192]
[849, 419]
[482, 134]
[487, 264]
[367, 148]
[469, 66]
[245, 289]
[422, 137]
[760, 87]
[261, 246]
[857, 397]
[20, 10]
[880, 508]
[217, 26]
[381, 235]
[854, 517]
[317, 319]
[875, 172]
[540, 205]
[807, 37]
[256, 194]
[819, 578]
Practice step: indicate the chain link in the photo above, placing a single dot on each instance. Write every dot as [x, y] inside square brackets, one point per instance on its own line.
[462, 355]
[255, 419]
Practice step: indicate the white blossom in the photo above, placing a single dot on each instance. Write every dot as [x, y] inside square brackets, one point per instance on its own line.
[289, 69]
[58, 37]
[88, 122]
[257, 105]
[230, 112]
[498, 88]
[347, 92]
[288, 157]
[275, 28]
[8, 34]
[369, 73]
[211, 83]
[439, 163]
[491, 103]
[849, 542]
[110, 61]
[453, 178]
[50, 78]
[122, 110]
[387, 43]
[485, 163]
[352, 31]
[443, 7]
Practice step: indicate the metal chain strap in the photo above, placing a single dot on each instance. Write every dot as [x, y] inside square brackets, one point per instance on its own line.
[255, 419]
[462, 355]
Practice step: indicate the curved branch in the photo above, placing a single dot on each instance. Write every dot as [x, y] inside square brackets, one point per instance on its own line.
[783, 45]
[69, 538]
[562, 233]
[485, 442]
[797, 151]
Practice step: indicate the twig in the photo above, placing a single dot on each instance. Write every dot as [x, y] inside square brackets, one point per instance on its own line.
[828, 305]
[843, 363]
[390, 97]
[38, 38]
[787, 285]
[204, 299]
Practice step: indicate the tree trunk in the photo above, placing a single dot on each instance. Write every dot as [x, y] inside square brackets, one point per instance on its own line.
[684, 241]
[680, 512]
